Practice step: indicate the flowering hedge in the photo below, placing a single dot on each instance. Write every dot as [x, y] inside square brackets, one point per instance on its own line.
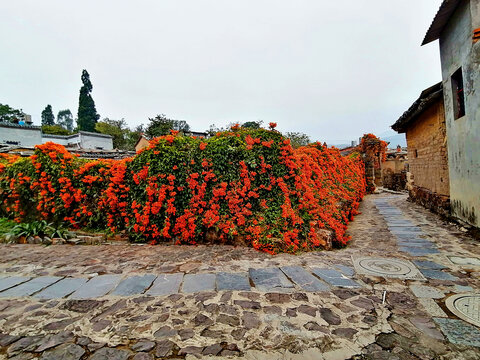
[240, 186]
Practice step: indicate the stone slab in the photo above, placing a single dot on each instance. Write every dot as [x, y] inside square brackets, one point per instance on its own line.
[270, 279]
[409, 236]
[460, 260]
[96, 287]
[193, 283]
[233, 281]
[466, 307]
[437, 275]
[405, 229]
[422, 291]
[8, 282]
[304, 279]
[345, 270]
[426, 264]
[30, 287]
[166, 284]
[134, 285]
[335, 278]
[62, 288]
[386, 267]
[399, 223]
[418, 251]
[459, 332]
[432, 308]
[423, 244]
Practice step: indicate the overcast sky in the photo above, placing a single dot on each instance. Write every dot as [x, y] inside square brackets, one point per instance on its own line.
[331, 69]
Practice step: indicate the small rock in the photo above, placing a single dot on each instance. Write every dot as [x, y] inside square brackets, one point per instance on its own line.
[272, 310]
[329, 316]
[228, 320]
[250, 320]
[278, 298]
[238, 334]
[55, 340]
[313, 326]
[164, 332]
[110, 354]
[212, 350]
[82, 306]
[64, 352]
[142, 356]
[291, 312]
[345, 293]
[186, 334]
[6, 340]
[190, 350]
[308, 310]
[164, 348]
[345, 332]
[202, 320]
[143, 345]
[245, 304]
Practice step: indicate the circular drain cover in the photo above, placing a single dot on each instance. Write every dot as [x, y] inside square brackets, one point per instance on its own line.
[387, 267]
[466, 307]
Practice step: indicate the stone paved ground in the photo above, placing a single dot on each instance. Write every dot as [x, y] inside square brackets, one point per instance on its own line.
[166, 302]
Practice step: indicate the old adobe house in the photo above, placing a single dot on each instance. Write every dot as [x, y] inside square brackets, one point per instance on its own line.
[457, 27]
[424, 126]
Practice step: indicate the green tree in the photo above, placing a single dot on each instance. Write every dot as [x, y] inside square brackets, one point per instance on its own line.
[133, 135]
[87, 113]
[65, 119]
[116, 128]
[47, 116]
[298, 139]
[252, 124]
[10, 114]
[55, 130]
[161, 125]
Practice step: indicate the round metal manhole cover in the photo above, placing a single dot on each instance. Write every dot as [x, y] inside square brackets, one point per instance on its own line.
[466, 307]
[387, 267]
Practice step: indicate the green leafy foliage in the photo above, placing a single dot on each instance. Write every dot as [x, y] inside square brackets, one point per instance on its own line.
[65, 119]
[123, 137]
[87, 113]
[47, 116]
[298, 139]
[10, 114]
[55, 130]
[160, 125]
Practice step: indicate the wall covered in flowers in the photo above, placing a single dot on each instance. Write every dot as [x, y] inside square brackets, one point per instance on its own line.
[241, 186]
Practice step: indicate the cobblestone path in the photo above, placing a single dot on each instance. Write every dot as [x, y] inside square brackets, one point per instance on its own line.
[404, 288]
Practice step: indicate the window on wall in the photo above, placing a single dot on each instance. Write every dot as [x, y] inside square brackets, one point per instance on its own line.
[458, 94]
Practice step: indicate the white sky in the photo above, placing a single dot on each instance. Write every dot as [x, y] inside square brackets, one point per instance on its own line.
[331, 69]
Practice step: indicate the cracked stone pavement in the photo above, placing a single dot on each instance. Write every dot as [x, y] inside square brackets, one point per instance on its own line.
[382, 297]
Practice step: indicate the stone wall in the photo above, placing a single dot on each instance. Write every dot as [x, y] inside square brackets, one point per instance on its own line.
[459, 51]
[427, 152]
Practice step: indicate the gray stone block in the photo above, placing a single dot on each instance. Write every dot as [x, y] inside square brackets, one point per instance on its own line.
[335, 278]
[270, 279]
[437, 275]
[166, 284]
[30, 287]
[96, 287]
[459, 332]
[425, 264]
[232, 281]
[134, 285]
[193, 283]
[304, 279]
[11, 281]
[62, 288]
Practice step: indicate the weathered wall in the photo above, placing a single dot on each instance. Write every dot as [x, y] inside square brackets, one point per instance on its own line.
[458, 50]
[427, 152]
[94, 141]
[23, 135]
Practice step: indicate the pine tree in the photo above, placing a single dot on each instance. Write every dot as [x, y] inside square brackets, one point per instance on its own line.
[65, 119]
[87, 113]
[47, 116]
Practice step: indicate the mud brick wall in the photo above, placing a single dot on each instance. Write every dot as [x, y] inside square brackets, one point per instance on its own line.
[427, 151]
